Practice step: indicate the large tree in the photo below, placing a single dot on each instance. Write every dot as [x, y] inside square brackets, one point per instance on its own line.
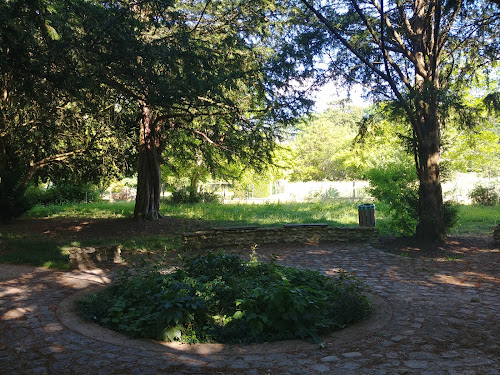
[51, 113]
[416, 53]
[203, 86]
[193, 75]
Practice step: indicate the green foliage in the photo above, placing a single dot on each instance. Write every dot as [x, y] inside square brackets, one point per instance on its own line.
[331, 192]
[219, 298]
[472, 149]
[182, 196]
[55, 121]
[450, 215]
[322, 145]
[396, 188]
[62, 193]
[485, 196]
[251, 185]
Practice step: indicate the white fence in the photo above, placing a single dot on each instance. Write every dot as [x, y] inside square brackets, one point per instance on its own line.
[462, 184]
[300, 191]
[457, 189]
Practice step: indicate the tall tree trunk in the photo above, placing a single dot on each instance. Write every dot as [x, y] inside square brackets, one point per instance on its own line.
[430, 211]
[427, 126]
[147, 201]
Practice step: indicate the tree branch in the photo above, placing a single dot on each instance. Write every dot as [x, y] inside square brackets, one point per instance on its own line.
[344, 41]
[381, 44]
[35, 166]
[204, 136]
[397, 37]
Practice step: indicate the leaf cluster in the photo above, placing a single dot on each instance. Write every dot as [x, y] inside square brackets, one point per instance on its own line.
[396, 187]
[484, 196]
[220, 298]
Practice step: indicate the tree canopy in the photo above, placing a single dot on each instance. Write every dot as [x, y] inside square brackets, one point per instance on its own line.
[418, 54]
[323, 145]
[54, 117]
[83, 79]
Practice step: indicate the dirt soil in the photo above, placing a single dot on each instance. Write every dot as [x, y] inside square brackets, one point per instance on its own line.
[80, 229]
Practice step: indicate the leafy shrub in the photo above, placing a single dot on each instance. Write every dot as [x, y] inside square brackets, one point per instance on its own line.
[219, 298]
[331, 192]
[185, 196]
[451, 210]
[61, 193]
[484, 196]
[396, 186]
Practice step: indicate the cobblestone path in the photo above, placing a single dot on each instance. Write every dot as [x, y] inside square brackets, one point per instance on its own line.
[431, 317]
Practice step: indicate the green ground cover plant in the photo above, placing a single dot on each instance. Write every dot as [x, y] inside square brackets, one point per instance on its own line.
[220, 298]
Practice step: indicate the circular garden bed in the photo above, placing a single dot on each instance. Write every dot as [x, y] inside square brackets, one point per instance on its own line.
[220, 298]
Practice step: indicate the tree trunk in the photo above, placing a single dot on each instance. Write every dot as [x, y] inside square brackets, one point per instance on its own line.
[431, 225]
[147, 201]
[427, 126]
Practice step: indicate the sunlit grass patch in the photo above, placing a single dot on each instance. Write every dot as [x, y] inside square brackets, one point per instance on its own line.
[97, 210]
[478, 220]
[270, 214]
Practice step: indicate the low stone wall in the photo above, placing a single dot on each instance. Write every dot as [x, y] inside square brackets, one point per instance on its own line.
[94, 257]
[496, 235]
[299, 233]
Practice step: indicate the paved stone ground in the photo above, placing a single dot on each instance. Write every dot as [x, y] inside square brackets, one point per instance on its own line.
[431, 317]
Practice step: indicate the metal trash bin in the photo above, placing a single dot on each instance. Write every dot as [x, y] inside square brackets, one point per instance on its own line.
[366, 213]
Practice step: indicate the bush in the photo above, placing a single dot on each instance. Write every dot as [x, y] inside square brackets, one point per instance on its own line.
[396, 187]
[484, 196]
[331, 192]
[185, 196]
[61, 193]
[450, 213]
[219, 298]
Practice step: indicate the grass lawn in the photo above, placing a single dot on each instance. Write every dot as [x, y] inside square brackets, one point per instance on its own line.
[336, 214]
[476, 220]
[51, 251]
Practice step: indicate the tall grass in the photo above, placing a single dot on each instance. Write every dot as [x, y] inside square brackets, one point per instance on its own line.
[343, 213]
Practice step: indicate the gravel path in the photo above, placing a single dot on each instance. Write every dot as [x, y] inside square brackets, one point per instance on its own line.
[439, 316]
